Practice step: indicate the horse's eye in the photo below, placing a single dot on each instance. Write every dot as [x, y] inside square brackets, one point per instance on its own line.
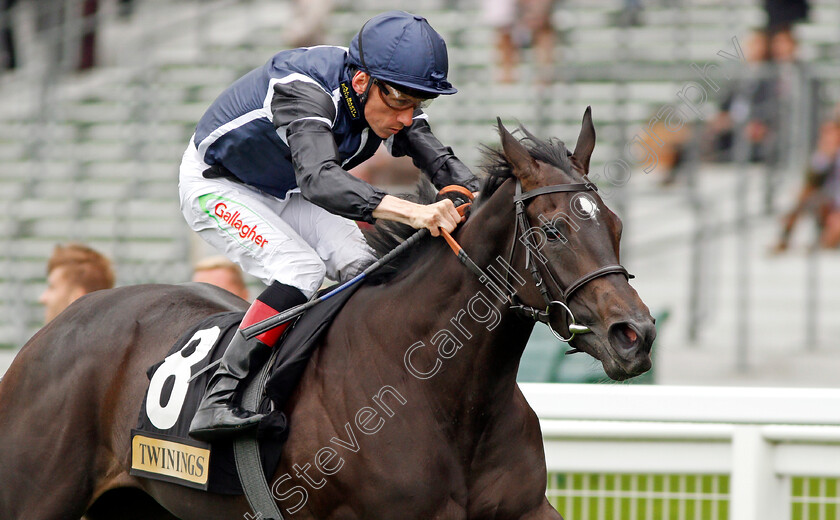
[551, 233]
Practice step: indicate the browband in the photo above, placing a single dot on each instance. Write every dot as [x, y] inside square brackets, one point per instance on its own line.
[558, 188]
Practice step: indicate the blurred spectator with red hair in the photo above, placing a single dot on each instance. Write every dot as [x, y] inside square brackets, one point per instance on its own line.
[73, 271]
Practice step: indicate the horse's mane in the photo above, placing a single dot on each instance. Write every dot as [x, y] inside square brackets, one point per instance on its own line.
[386, 235]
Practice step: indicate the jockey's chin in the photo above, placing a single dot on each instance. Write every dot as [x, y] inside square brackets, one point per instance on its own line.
[385, 125]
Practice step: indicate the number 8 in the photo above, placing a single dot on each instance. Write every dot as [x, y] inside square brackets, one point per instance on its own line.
[179, 367]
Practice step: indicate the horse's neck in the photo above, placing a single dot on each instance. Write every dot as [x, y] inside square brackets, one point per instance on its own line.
[457, 323]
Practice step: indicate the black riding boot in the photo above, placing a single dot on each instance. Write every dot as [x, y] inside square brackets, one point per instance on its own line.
[220, 415]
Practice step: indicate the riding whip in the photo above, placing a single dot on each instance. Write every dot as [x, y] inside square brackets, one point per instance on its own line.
[269, 323]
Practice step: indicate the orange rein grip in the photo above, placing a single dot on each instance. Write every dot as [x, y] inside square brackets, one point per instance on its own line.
[455, 246]
[458, 189]
[462, 209]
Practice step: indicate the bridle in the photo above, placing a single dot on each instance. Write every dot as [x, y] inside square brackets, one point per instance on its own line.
[516, 305]
[521, 228]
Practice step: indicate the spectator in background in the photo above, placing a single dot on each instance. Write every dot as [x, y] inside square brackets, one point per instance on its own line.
[520, 24]
[751, 103]
[8, 53]
[68, 31]
[820, 191]
[73, 270]
[87, 39]
[537, 31]
[630, 15]
[782, 14]
[309, 18]
[788, 86]
[221, 272]
[125, 8]
[501, 16]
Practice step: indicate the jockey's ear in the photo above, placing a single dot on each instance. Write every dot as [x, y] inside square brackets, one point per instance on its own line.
[360, 81]
[586, 141]
[524, 166]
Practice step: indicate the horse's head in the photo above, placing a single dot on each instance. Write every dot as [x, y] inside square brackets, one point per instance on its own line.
[567, 240]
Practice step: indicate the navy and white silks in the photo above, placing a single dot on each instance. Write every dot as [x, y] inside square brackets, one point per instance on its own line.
[265, 179]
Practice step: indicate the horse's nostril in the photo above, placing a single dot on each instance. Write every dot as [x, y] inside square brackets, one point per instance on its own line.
[625, 336]
[630, 335]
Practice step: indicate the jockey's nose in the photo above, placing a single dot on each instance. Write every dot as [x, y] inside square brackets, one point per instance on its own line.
[406, 117]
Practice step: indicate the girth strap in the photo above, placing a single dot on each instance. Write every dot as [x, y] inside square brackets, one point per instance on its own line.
[246, 451]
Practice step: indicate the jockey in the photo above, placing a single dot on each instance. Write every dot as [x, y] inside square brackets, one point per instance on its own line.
[265, 179]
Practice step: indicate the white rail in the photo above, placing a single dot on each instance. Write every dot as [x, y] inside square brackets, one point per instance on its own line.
[765, 441]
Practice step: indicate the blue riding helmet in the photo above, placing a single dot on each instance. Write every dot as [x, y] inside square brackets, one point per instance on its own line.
[403, 50]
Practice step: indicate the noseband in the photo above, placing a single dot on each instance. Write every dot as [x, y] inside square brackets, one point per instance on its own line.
[565, 294]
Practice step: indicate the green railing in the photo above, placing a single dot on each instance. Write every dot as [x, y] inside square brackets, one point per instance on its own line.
[593, 496]
[814, 498]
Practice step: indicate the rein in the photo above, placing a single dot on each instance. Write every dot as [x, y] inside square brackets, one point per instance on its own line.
[542, 316]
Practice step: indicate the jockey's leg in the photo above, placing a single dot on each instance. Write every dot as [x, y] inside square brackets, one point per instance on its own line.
[219, 413]
[337, 241]
[247, 225]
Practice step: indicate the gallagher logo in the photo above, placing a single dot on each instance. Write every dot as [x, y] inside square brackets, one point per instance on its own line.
[233, 218]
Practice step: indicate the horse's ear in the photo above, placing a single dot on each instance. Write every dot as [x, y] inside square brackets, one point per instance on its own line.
[586, 141]
[524, 166]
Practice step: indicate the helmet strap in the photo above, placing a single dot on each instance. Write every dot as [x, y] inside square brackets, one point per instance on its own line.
[362, 52]
[364, 95]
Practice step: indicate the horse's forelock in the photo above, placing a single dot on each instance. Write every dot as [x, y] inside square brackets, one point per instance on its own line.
[552, 151]
[498, 169]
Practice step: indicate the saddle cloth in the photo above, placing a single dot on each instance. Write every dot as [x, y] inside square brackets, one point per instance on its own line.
[161, 446]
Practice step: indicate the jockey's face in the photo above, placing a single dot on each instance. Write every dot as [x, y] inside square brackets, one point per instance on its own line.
[383, 120]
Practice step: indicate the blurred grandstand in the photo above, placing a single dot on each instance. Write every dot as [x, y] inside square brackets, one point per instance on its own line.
[93, 157]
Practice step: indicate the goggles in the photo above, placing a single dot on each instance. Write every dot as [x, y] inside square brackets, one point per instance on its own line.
[397, 100]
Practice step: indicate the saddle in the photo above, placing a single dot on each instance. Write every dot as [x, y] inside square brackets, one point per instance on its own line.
[161, 446]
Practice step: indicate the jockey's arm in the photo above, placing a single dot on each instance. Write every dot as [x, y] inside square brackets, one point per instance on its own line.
[437, 161]
[320, 176]
[441, 214]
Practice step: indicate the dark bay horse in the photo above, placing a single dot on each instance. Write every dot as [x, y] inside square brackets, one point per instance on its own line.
[409, 408]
